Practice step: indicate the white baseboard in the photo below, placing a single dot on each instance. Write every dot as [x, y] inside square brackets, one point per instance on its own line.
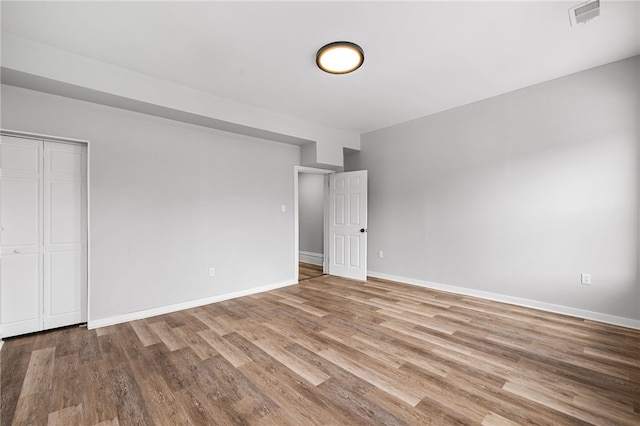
[310, 257]
[118, 319]
[549, 307]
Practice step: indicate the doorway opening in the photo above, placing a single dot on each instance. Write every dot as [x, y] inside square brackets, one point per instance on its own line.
[344, 207]
[311, 186]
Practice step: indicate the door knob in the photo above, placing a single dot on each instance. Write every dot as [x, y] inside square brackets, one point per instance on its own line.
[363, 230]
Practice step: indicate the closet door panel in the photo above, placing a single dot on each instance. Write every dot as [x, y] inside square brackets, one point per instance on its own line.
[21, 235]
[65, 280]
[64, 210]
[65, 302]
[21, 293]
[20, 187]
[20, 212]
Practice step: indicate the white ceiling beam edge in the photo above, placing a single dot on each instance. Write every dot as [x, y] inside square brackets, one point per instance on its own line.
[37, 66]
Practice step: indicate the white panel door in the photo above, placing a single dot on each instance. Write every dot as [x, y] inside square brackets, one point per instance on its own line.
[65, 234]
[21, 229]
[348, 225]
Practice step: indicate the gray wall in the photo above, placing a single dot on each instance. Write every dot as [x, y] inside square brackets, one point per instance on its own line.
[516, 195]
[170, 200]
[311, 212]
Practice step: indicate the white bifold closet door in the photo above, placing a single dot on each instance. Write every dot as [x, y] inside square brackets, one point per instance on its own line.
[43, 268]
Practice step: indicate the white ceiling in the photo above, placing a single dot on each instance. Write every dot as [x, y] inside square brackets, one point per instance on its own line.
[420, 57]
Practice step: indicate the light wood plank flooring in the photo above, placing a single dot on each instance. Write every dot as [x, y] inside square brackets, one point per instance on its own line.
[308, 270]
[329, 351]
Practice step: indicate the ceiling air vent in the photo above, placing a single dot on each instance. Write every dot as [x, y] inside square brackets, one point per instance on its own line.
[584, 12]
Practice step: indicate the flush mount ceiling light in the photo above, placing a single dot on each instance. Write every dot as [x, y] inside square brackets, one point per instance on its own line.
[340, 57]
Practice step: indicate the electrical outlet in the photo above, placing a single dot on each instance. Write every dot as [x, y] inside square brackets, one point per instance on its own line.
[380, 254]
[585, 279]
[212, 272]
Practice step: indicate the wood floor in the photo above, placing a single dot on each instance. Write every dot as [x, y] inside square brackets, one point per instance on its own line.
[329, 351]
[308, 270]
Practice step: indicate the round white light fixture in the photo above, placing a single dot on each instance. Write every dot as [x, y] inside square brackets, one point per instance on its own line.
[340, 57]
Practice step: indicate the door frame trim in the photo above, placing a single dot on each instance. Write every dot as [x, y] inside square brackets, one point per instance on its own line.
[43, 137]
[296, 217]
